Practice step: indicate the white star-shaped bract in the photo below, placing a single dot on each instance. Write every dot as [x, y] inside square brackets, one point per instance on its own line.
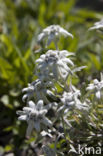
[52, 33]
[34, 114]
[54, 65]
[96, 87]
[39, 90]
[70, 100]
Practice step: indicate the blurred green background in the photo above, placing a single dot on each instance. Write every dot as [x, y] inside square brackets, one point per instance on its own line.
[20, 23]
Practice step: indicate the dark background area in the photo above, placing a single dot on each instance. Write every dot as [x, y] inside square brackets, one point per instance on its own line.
[91, 4]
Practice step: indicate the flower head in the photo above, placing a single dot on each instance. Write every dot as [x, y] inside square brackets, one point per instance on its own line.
[71, 100]
[40, 89]
[54, 65]
[96, 87]
[34, 115]
[52, 33]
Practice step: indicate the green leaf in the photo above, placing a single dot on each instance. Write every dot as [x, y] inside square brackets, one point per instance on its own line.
[27, 54]
[6, 40]
[95, 61]
[8, 148]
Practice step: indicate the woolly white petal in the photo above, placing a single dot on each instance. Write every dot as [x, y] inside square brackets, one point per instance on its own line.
[44, 133]
[63, 65]
[98, 95]
[22, 117]
[43, 111]
[31, 104]
[71, 104]
[41, 37]
[65, 33]
[64, 53]
[101, 84]
[96, 27]
[62, 73]
[95, 81]
[78, 104]
[61, 108]
[39, 105]
[67, 60]
[39, 60]
[24, 97]
[90, 87]
[50, 93]
[78, 69]
[42, 56]
[27, 109]
[20, 112]
[66, 110]
[24, 90]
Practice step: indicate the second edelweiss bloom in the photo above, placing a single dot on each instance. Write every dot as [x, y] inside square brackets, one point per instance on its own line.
[35, 116]
[54, 64]
[52, 33]
[71, 100]
[96, 87]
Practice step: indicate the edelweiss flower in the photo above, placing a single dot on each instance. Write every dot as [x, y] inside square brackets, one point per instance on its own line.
[97, 25]
[96, 87]
[54, 64]
[35, 116]
[70, 100]
[52, 33]
[40, 89]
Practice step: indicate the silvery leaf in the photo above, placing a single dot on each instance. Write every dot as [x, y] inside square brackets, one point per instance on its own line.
[50, 38]
[36, 125]
[79, 68]
[29, 128]
[46, 121]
